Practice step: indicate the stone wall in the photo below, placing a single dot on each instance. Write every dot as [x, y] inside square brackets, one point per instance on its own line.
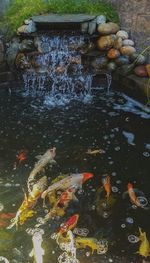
[135, 18]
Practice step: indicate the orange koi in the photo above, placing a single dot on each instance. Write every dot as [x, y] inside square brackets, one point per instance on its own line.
[132, 195]
[107, 185]
[22, 156]
[69, 224]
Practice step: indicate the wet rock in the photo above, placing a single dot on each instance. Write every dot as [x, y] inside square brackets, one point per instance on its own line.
[21, 62]
[101, 19]
[26, 45]
[105, 42]
[123, 34]
[108, 28]
[118, 43]
[148, 69]
[122, 60]
[12, 51]
[92, 27]
[84, 27]
[127, 50]
[99, 62]
[128, 42]
[141, 71]
[27, 29]
[42, 47]
[138, 59]
[111, 66]
[113, 53]
[1, 52]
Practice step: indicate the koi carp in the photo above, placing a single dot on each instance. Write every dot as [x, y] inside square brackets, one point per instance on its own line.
[25, 210]
[95, 152]
[43, 160]
[73, 180]
[106, 184]
[133, 197]
[144, 249]
[69, 224]
[22, 156]
[83, 242]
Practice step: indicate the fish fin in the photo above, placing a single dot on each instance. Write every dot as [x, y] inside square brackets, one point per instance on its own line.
[124, 194]
[31, 254]
[38, 157]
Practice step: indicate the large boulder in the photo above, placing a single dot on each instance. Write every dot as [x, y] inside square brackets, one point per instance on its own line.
[105, 42]
[108, 28]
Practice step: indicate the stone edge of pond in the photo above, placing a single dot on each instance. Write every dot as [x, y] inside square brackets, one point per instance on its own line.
[132, 85]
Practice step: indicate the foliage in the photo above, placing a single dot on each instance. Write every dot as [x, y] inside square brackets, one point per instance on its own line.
[23, 9]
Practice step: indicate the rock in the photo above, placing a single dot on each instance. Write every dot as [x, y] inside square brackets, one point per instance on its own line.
[113, 53]
[148, 69]
[127, 50]
[92, 27]
[111, 66]
[138, 59]
[27, 29]
[123, 34]
[21, 62]
[84, 27]
[118, 43]
[122, 60]
[105, 42]
[108, 28]
[141, 71]
[26, 45]
[42, 47]
[27, 21]
[12, 51]
[1, 52]
[101, 19]
[99, 62]
[128, 42]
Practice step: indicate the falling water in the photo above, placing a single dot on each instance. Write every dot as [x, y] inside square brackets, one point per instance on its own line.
[57, 75]
[60, 75]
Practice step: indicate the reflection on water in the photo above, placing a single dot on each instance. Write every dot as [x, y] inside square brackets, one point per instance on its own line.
[108, 122]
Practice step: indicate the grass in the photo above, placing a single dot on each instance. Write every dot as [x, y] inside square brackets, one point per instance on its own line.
[23, 9]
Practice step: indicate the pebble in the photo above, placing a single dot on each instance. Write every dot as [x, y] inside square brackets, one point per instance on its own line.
[140, 71]
[128, 42]
[127, 50]
[108, 28]
[123, 226]
[123, 34]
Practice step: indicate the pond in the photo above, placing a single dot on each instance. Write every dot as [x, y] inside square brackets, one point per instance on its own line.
[111, 122]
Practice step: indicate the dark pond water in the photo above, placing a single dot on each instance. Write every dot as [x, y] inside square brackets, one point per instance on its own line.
[111, 122]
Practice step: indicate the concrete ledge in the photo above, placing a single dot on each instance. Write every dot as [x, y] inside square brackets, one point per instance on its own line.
[133, 85]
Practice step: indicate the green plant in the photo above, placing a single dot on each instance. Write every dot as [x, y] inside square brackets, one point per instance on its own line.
[23, 9]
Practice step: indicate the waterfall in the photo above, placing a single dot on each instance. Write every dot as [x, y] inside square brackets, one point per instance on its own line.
[58, 75]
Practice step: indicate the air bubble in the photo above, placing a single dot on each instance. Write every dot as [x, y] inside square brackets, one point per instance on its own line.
[146, 154]
[133, 239]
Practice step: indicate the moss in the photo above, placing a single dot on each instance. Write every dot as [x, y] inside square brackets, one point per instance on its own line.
[23, 9]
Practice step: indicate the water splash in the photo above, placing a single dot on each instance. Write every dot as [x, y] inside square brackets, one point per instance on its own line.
[59, 76]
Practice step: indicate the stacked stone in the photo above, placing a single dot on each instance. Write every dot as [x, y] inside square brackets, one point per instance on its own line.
[120, 49]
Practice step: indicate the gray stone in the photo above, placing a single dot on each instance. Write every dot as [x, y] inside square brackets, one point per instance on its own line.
[100, 19]
[12, 51]
[128, 42]
[92, 27]
[68, 18]
[26, 45]
[27, 29]
[84, 27]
